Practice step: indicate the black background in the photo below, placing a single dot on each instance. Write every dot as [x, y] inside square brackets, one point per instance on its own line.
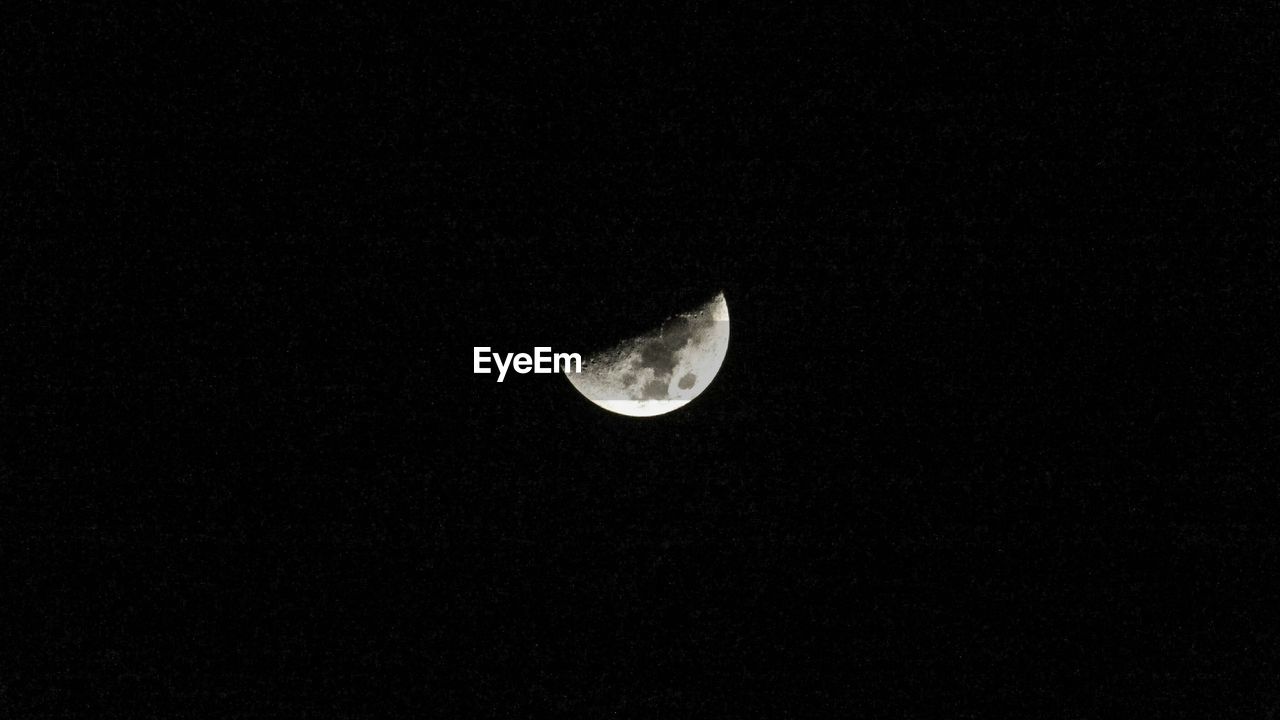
[992, 436]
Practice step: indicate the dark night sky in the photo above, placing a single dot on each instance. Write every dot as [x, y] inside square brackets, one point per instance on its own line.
[990, 437]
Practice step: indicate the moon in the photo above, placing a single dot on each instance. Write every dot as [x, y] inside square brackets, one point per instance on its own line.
[662, 370]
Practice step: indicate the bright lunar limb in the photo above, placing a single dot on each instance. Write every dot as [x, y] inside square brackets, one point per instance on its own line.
[660, 371]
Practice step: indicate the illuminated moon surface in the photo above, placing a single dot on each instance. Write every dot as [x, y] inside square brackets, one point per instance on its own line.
[659, 371]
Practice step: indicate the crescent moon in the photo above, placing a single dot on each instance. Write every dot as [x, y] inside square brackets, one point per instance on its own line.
[662, 370]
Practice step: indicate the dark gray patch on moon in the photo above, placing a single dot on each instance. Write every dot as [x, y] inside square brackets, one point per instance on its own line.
[654, 390]
[659, 354]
